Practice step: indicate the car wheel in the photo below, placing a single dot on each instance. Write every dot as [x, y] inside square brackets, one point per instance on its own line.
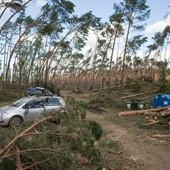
[15, 121]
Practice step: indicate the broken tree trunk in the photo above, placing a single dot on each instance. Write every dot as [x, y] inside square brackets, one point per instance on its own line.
[159, 109]
[165, 113]
[131, 113]
[155, 116]
[161, 136]
[139, 94]
[144, 112]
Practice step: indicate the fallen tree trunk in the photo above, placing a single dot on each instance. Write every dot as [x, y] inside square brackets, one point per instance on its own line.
[165, 113]
[139, 94]
[153, 122]
[159, 109]
[161, 136]
[143, 112]
[151, 113]
[132, 113]
[155, 116]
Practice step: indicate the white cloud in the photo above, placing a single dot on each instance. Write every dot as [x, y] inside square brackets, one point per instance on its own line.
[91, 41]
[41, 2]
[156, 27]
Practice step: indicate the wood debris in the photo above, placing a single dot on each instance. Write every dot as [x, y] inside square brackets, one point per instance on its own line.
[154, 116]
[161, 136]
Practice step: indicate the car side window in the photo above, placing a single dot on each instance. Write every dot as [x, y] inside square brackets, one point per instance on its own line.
[53, 102]
[36, 104]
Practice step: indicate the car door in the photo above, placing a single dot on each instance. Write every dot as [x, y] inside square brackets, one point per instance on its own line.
[35, 110]
[53, 104]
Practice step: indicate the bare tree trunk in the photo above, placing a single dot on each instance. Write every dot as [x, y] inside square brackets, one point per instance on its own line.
[124, 56]
[5, 9]
[111, 59]
[4, 25]
[18, 41]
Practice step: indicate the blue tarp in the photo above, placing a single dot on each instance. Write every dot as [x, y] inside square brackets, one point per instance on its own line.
[161, 100]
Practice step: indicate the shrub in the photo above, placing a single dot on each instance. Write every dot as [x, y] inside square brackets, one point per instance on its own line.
[47, 145]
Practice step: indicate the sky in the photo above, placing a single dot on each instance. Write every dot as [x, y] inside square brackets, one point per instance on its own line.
[104, 8]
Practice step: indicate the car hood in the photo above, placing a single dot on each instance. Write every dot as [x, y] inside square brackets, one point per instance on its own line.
[7, 109]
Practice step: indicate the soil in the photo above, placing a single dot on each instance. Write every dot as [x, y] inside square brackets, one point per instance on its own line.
[139, 150]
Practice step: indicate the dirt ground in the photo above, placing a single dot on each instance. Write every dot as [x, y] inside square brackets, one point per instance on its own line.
[144, 151]
[139, 149]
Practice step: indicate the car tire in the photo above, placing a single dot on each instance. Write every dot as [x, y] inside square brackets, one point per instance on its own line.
[15, 121]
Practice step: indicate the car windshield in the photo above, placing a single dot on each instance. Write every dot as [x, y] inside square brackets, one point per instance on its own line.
[19, 102]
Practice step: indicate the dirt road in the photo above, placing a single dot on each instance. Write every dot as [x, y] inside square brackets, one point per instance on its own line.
[141, 150]
[147, 152]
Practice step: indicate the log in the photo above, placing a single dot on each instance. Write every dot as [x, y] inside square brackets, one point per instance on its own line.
[133, 95]
[159, 109]
[136, 95]
[132, 113]
[161, 136]
[151, 113]
[153, 122]
[165, 113]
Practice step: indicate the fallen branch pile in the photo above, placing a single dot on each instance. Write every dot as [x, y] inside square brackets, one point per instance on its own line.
[154, 116]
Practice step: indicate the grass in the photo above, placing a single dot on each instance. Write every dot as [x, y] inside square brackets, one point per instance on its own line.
[111, 149]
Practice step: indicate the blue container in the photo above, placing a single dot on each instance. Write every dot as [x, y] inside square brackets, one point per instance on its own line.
[161, 100]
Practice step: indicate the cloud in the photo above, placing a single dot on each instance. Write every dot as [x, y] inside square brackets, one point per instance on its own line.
[91, 41]
[41, 2]
[156, 27]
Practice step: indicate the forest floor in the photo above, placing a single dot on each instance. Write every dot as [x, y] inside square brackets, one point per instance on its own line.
[128, 143]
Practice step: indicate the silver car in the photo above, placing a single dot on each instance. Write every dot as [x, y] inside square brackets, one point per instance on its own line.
[29, 108]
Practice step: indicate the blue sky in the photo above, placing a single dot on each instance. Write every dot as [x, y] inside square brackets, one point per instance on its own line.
[104, 8]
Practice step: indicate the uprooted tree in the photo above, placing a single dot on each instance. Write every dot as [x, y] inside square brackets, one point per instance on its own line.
[48, 145]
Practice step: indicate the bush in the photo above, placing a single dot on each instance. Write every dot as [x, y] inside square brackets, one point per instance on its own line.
[136, 85]
[107, 100]
[46, 145]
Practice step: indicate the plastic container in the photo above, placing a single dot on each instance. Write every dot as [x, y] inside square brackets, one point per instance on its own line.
[141, 105]
[128, 105]
[148, 105]
[134, 105]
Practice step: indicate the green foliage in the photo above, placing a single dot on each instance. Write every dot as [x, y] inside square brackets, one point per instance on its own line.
[8, 165]
[52, 146]
[6, 97]
[107, 99]
[75, 108]
[14, 5]
[113, 144]
[136, 85]
[83, 104]
[135, 43]
[163, 83]
[51, 87]
[97, 130]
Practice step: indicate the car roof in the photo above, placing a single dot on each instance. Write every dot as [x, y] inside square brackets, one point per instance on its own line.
[40, 88]
[45, 97]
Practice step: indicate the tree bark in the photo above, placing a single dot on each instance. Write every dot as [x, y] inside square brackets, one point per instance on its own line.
[132, 113]
[124, 55]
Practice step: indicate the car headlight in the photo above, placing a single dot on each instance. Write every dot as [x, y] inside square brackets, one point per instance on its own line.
[4, 113]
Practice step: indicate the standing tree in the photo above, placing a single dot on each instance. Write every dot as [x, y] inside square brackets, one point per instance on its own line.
[133, 12]
[116, 20]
